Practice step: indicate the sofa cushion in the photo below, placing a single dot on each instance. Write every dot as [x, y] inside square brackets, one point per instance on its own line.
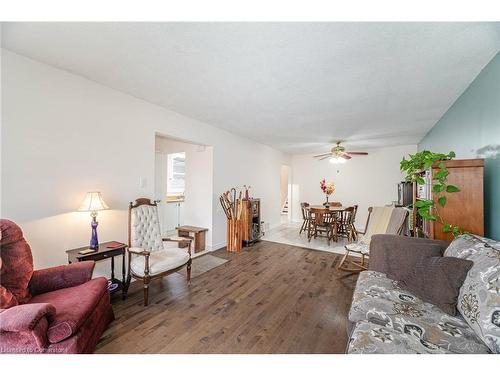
[479, 298]
[73, 306]
[371, 338]
[379, 300]
[160, 261]
[390, 254]
[402, 262]
[438, 280]
[17, 262]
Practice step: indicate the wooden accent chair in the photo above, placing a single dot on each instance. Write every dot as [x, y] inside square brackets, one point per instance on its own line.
[149, 255]
[305, 216]
[346, 226]
[322, 221]
[381, 220]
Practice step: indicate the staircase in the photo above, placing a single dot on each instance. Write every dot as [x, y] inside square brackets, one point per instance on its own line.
[284, 209]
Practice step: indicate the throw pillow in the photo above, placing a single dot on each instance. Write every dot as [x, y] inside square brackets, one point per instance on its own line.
[438, 280]
[396, 256]
[479, 298]
[401, 261]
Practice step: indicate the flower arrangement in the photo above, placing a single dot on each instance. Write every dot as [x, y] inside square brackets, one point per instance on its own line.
[327, 187]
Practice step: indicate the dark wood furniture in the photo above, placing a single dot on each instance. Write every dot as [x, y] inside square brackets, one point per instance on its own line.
[294, 301]
[322, 222]
[305, 216]
[250, 217]
[464, 208]
[198, 235]
[346, 219]
[104, 252]
[146, 278]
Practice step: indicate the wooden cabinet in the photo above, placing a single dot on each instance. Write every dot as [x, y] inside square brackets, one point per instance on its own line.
[250, 218]
[464, 208]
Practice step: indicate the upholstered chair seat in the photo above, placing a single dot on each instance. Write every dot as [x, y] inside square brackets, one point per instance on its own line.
[160, 261]
[150, 255]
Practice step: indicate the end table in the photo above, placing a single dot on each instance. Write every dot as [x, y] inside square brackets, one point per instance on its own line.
[106, 250]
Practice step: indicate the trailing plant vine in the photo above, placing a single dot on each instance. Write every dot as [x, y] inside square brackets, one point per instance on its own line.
[428, 209]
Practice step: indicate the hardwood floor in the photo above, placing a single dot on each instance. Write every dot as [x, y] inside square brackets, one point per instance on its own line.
[271, 298]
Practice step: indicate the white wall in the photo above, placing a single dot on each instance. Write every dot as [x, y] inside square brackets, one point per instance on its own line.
[197, 206]
[63, 135]
[364, 180]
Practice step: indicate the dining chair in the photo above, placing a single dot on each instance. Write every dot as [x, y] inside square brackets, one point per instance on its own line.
[149, 255]
[346, 223]
[381, 220]
[322, 221]
[305, 216]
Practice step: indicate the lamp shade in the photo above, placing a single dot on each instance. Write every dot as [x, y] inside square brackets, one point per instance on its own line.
[93, 202]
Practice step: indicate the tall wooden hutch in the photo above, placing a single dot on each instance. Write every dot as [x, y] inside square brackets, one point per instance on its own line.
[464, 208]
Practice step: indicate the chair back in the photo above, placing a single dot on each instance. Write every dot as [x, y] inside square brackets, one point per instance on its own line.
[16, 265]
[347, 216]
[384, 220]
[303, 207]
[144, 225]
[321, 216]
[354, 213]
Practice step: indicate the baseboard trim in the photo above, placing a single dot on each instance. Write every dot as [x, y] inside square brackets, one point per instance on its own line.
[217, 246]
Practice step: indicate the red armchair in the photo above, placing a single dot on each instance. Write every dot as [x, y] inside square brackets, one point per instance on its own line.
[54, 310]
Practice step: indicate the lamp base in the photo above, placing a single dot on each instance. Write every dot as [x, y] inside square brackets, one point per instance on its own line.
[94, 242]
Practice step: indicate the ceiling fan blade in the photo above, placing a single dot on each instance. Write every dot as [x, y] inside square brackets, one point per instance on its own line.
[357, 153]
[321, 155]
[325, 157]
[345, 156]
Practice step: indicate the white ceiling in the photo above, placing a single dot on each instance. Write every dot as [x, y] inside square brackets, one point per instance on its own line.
[294, 86]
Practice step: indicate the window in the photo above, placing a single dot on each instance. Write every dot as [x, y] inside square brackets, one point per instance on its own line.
[176, 176]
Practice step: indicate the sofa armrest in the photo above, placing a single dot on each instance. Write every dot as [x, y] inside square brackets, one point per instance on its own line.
[32, 318]
[381, 245]
[54, 278]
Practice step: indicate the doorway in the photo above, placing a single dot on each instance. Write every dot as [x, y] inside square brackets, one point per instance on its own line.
[183, 185]
[286, 194]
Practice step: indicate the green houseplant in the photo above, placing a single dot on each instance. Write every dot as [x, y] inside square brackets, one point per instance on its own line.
[428, 209]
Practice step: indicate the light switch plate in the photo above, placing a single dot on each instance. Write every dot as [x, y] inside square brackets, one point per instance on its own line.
[143, 182]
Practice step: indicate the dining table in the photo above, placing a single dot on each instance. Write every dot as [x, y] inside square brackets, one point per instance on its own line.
[331, 208]
[338, 217]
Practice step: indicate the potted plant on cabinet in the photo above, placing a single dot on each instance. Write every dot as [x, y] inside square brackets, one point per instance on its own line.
[428, 209]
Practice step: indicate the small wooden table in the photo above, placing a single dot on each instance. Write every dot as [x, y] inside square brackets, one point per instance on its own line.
[331, 208]
[199, 236]
[102, 253]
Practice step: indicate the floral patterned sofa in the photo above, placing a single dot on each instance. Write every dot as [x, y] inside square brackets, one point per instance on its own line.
[387, 319]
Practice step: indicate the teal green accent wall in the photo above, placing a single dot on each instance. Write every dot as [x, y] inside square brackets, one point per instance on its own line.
[471, 128]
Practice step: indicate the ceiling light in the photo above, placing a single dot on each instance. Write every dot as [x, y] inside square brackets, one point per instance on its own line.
[337, 160]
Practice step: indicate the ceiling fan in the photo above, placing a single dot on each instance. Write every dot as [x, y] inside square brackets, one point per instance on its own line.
[338, 154]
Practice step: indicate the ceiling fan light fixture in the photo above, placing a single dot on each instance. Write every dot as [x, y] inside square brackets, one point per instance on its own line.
[337, 160]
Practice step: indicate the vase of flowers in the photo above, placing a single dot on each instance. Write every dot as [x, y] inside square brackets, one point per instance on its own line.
[327, 188]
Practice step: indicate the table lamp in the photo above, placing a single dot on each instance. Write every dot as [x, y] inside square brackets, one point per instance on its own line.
[92, 203]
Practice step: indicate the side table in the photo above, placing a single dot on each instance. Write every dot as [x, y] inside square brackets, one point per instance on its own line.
[199, 236]
[106, 250]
